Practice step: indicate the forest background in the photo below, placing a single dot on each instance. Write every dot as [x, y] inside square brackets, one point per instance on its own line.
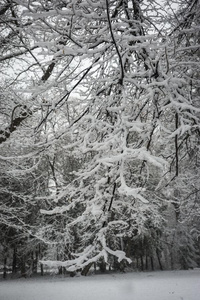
[99, 136]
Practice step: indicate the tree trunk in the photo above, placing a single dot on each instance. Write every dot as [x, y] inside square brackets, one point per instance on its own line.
[14, 262]
[23, 267]
[142, 263]
[5, 268]
[41, 270]
[152, 265]
[86, 269]
[159, 260]
[60, 271]
[146, 262]
[35, 264]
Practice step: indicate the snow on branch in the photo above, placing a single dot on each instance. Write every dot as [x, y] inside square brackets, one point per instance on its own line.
[90, 255]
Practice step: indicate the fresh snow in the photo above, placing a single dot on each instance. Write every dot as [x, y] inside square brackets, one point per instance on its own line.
[166, 285]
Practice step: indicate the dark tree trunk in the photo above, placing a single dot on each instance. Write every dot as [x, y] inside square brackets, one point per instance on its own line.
[14, 262]
[23, 267]
[41, 270]
[5, 268]
[152, 265]
[102, 266]
[142, 263]
[38, 258]
[137, 263]
[159, 260]
[146, 262]
[86, 269]
[35, 263]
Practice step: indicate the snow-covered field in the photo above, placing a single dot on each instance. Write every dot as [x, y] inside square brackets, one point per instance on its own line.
[166, 285]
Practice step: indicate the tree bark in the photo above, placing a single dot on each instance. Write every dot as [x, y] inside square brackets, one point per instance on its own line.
[14, 262]
[159, 260]
[86, 269]
[5, 268]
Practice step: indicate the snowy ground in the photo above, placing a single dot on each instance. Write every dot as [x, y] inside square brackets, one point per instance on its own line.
[166, 285]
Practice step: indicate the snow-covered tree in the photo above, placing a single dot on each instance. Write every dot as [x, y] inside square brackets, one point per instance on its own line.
[109, 90]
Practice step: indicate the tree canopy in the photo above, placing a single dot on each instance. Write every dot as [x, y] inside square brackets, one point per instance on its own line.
[99, 136]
